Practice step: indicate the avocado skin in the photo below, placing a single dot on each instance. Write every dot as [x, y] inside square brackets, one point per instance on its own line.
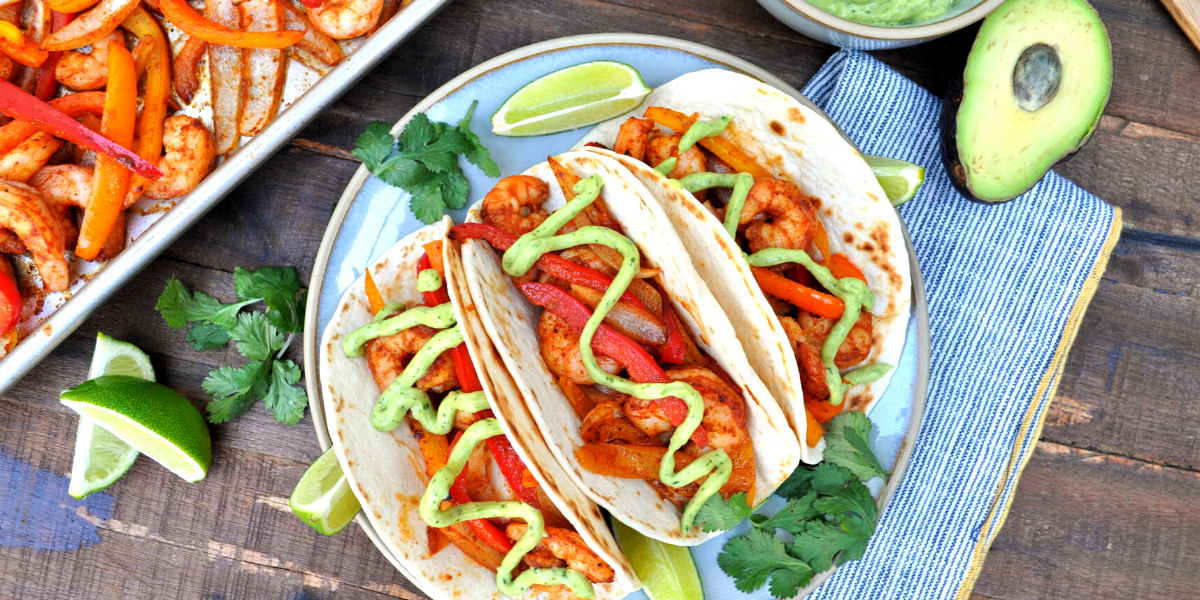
[948, 138]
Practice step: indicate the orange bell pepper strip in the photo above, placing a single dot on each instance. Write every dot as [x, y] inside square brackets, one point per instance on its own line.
[110, 180]
[19, 48]
[822, 410]
[814, 430]
[817, 303]
[821, 241]
[71, 6]
[374, 298]
[433, 250]
[723, 148]
[194, 24]
[149, 137]
[56, 120]
[840, 266]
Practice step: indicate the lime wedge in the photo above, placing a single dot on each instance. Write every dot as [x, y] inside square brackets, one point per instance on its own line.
[101, 458]
[322, 498]
[900, 179]
[571, 98]
[152, 418]
[667, 572]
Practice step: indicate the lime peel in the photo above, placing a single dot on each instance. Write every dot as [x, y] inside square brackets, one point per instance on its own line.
[323, 498]
[570, 103]
[667, 572]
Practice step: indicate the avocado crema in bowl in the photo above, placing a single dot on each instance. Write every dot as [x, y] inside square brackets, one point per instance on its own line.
[878, 24]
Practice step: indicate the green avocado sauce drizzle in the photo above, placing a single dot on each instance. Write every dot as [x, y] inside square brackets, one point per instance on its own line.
[429, 280]
[520, 258]
[853, 292]
[856, 296]
[402, 397]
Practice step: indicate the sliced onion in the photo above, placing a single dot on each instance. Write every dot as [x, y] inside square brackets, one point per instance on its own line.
[225, 71]
[315, 43]
[90, 26]
[187, 80]
[266, 69]
[634, 322]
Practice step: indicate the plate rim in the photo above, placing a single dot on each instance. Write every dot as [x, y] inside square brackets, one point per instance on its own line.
[361, 176]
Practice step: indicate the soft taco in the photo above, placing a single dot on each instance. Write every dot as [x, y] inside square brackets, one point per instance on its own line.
[628, 365]
[813, 224]
[471, 504]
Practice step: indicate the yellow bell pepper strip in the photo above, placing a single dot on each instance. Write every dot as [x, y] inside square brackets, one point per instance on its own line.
[192, 23]
[70, 6]
[158, 91]
[19, 48]
[18, 104]
[91, 25]
[723, 148]
[814, 431]
[110, 180]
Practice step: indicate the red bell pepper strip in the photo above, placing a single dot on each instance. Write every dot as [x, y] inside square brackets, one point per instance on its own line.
[47, 85]
[672, 351]
[482, 528]
[10, 299]
[468, 379]
[551, 263]
[17, 104]
[608, 341]
[513, 469]
[312, 3]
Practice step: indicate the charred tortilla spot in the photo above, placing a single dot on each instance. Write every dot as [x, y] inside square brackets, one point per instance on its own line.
[873, 197]
[815, 201]
[778, 128]
[848, 237]
[794, 114]
[867, 247]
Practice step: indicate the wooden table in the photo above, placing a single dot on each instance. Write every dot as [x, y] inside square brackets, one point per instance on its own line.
[1109, 506]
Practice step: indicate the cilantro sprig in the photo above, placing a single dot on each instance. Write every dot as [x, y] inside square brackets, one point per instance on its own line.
[424, 161]
[830, 515]
[261, 337]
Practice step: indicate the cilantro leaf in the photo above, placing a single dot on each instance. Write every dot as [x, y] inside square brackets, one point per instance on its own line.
[278, 288]
[375, 144]
[235, 390]
[207, 336]
[752, 559]
[846, 438]
[256, 338]
[285, 399]
[719, 515]
[180, 307]
[797, 484]
[418, 132]
[790, 518]
[855, 498]
[403, 172]
[442, 155]
[454, 189]
[822, 544]
[427, 202]
[828, 478]
[478, 154]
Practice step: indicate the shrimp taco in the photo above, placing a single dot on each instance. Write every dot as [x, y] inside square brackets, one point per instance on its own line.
[628, 364]
[788, 226]
[470, 503]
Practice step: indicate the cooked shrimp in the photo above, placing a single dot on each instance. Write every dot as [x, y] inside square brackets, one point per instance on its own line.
[560, 349]
[724, 410]
[387, 357]
[778, 215]
[64, 186]
[606, 424]
[664, 147]
[30, 155]
[26, 214]
[10, 243]
[633, 139]
[568, 546]
[87, 71]
[344, 19]
[515, 204]
[190, 151]
[808, 333]
[808, 360]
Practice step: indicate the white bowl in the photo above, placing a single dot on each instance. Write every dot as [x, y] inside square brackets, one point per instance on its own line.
[824, 27]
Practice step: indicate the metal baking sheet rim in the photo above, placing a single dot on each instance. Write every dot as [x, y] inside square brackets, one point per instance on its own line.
[236, 168]
[312, 311]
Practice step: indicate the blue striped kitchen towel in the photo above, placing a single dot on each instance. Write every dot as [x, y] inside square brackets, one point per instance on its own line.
[1007, 287]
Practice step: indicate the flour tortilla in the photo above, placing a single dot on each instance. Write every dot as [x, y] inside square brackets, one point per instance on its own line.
[511, 323]
[799, 145]
[386, 470]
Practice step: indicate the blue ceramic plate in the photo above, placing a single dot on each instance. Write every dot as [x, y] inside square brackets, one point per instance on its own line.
[372, 215]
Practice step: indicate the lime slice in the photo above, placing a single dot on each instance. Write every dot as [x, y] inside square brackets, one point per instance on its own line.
[571, 98]
[900, 179]
[323, 498]
[101, 458]
[667, 572]
[150, 417]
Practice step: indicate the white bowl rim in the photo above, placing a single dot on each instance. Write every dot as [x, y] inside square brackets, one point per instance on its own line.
[892, 32]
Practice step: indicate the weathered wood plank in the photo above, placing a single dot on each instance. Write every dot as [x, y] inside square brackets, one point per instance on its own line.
[229, 536]
[1086, 525]
[1129, 383]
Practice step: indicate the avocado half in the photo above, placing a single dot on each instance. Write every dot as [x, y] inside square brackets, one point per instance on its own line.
[1036, 83]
